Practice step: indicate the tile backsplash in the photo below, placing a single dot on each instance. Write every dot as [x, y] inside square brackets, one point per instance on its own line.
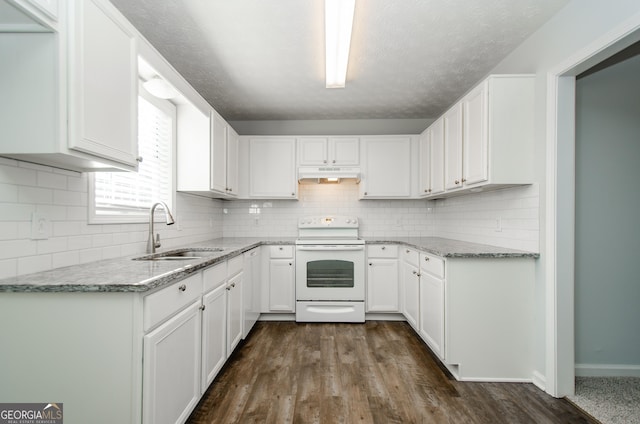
[507, 218]
[61, 196]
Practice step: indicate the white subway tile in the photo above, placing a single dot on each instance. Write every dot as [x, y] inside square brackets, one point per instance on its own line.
[51, 180]
[30, 264]
[8, 193]
[8, 267]
[68, 258]
[15, 175]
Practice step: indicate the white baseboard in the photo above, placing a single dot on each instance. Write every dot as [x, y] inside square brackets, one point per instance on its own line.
[607, 370]
[539, 380]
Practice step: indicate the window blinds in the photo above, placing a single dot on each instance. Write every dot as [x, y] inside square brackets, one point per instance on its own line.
[122, 194]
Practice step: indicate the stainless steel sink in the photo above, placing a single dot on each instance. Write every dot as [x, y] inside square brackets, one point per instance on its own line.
[181, 254]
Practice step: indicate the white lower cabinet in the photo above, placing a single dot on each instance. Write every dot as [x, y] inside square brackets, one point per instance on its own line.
[235, 314]
[281, 294]
[251, 289]
[431, 327]
[383, 292]
[171, 376]
[214, 323]
[410, 285]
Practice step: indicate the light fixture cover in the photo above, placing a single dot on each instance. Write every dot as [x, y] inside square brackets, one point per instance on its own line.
[338, 22]
[159, 88]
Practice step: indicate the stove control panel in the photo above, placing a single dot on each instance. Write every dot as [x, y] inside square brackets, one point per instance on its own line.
[328, 222]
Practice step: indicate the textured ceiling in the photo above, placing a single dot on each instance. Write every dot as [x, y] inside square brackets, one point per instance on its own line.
[264, 60]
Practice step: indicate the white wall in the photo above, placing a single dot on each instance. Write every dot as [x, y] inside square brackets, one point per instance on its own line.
[607, 286]
[577, 26]
[62, 197]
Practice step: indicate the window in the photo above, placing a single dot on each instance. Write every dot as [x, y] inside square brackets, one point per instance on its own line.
[125, 197]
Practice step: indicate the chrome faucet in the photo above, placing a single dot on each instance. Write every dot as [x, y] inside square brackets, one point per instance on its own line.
[152, 244]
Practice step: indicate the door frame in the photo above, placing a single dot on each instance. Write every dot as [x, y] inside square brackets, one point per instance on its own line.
[560, 202]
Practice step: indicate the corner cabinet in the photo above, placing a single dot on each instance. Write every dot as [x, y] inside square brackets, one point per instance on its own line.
[386, 167]
[488, 137]
[272, 168]
[79, 78]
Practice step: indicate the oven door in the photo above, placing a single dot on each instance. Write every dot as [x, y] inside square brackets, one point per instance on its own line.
[330, 272]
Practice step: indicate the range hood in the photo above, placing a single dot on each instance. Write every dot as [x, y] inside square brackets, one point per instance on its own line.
[328, 174]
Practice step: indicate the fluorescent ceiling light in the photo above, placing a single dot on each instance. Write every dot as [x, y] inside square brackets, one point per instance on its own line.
[338, 21]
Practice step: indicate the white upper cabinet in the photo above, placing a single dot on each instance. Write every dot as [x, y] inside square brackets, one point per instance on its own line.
[103, 83]
[452, 120]
[431, 145]
[386, 167]
[79, 81]
[272, 168]
[207, 159]
[475, 147]
[334, 151]
[28, 15]
[488, 137]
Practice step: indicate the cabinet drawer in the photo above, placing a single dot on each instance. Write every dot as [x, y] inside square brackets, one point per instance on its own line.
[432, 264]
[281, 251]
[166, 302]
[410, 256]
[234, 265]
[382, 251]
[214, 277]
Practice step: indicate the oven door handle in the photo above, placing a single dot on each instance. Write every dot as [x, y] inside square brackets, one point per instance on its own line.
[332, 248]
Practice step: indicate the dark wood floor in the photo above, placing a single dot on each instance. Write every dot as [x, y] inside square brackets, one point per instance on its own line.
[377, 372]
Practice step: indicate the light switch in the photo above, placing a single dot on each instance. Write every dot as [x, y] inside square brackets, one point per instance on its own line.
[40, 226]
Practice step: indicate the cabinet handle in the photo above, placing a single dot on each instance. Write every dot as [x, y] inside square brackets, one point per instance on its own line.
[324, 161]
[384, 247]
[290, 263]
[280, 248]
[182, 287]
[426, 258]
[464, 180]
[228, 288]
[370, 264]
[415, 272]
[426, 190]
[457, 182]
[334, 161]
[429, 190]
[202, 308]
[408, 251]
[139, 159]
[293, 194]
[233, 284]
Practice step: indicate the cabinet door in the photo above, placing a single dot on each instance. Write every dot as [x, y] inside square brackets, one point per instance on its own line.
[432, 312]
[476, 136]
[272, 167]
[453, 147]
[424, 188]
[282, 294]
[218, 153]
[312, 151]
[171, 375]
[214, 334]
[382, 286]
[437, 157]
[233, 141]
[103, 83]
[387, 167]
[410, 291]
[235, 313]
[251, 289]
[344, 151]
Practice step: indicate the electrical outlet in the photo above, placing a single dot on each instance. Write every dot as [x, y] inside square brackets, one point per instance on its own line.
[40, 226]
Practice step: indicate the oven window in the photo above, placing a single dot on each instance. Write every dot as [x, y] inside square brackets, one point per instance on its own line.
[330, 273]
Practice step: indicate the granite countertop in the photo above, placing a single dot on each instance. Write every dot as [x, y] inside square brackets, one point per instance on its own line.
[448, 248]
[128, 275]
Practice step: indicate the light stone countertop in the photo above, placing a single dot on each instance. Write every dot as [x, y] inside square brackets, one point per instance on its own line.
[127, 275]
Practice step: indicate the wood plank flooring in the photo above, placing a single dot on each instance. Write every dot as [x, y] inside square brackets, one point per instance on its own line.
[377, 372]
